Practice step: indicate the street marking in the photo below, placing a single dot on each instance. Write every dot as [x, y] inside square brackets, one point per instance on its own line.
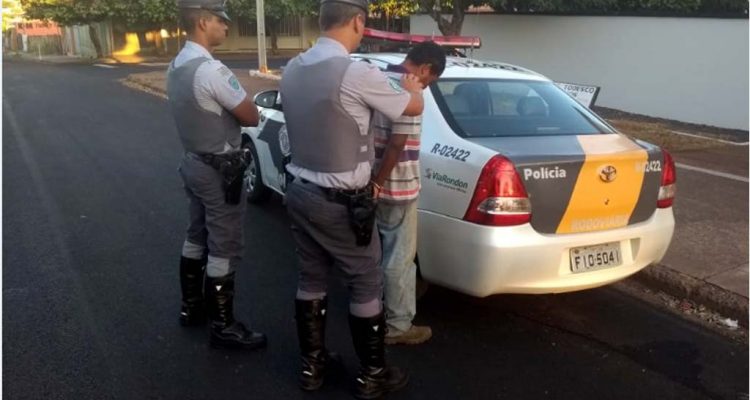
[154, 64]
[104, 66]
[714, 173]
[729, 142]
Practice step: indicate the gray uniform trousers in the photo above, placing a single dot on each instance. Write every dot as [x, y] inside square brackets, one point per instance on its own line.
[324, 239]
[214, 224]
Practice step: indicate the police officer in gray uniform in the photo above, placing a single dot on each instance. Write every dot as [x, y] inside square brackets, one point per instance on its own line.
[209, 105]
[328, 101]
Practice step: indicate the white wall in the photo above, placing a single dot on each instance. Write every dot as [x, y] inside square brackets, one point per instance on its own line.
[687, 69]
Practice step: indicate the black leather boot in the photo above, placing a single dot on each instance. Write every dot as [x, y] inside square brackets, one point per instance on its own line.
[193, 311]
[375, 378]
[224, 330]
[311, 331]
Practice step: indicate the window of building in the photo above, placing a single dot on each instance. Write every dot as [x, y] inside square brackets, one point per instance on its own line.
[289, 26]
[247, 27]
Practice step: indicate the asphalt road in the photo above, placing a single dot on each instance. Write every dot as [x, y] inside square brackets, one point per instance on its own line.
[93, 218]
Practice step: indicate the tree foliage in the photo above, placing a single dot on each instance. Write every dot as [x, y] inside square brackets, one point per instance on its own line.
[386, 12]
[449, 14]
[144, 14]
[141, 13]
[12, 11]
[274, 11]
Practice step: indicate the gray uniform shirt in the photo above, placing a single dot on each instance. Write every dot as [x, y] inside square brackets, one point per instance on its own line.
[365, 88]
[215, 87]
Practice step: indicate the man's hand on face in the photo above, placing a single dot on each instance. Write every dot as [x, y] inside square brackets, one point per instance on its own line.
[411, 83]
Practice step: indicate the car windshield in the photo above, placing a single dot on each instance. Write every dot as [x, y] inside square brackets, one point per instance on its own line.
[499, 107]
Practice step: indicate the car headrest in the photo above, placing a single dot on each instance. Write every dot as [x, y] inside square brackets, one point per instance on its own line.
[457, 105]
[532, 107]
[477, 95]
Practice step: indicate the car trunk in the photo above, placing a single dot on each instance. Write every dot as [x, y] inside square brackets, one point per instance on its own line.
[584, 183]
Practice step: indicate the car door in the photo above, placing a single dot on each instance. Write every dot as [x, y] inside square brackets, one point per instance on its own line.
[272, 143]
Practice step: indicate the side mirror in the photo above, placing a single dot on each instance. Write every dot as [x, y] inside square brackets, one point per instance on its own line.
[268, 99]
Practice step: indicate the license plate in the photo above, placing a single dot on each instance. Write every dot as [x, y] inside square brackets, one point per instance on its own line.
[589, 258]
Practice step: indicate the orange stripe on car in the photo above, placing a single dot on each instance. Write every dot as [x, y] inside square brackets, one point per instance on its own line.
[608, 186]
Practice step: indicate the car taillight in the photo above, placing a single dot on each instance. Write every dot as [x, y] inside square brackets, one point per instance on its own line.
[499, 198]
[668, 182]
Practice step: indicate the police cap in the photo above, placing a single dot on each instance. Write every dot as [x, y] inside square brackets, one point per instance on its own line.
[357, 3]
[216, 7]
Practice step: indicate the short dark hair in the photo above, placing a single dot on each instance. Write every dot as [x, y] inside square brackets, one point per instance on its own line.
[334, 15]
[428, 53]
[189, 18]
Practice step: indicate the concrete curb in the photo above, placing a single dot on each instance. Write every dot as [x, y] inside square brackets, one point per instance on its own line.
[138, 84]
[674, 283]
[150, 89]
[132, 81]
[257, 74]
[48, 60]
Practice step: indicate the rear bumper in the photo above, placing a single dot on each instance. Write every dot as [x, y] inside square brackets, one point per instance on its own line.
[481, 261]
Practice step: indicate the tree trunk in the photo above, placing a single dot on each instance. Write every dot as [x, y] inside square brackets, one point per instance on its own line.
[447, 28]
[94, 35]
[273, 29]
[160, 42]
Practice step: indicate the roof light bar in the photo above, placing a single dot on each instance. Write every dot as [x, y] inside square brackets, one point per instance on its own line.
[463, 42]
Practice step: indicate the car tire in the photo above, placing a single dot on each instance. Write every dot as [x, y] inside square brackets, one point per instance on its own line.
[257, 192]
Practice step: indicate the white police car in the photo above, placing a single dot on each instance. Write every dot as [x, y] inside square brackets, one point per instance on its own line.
[524, 190]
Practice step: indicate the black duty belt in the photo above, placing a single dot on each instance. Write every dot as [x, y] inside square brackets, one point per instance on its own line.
[232, 167]
[341, 196]
[360, 205]
[222, 161]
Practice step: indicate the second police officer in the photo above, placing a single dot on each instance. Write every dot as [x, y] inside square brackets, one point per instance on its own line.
[328, 102]
[209, 105]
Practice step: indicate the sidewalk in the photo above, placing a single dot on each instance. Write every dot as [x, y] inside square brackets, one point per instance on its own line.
[136, 58]
[707, 263]
[47, 58]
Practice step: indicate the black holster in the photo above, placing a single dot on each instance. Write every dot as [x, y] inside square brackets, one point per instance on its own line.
[362, 209]
[232, 167]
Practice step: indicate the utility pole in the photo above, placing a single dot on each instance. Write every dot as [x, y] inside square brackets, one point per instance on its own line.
[261, 15]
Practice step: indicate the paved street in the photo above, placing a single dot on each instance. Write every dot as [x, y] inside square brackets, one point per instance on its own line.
[93, 218]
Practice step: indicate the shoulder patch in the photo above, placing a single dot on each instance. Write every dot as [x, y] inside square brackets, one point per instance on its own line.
[234, 83]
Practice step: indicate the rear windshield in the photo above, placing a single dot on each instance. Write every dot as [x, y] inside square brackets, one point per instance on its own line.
[493, 107]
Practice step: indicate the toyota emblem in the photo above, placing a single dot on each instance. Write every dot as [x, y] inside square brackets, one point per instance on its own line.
[608, 173]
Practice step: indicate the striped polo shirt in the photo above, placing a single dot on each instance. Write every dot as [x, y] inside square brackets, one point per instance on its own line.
[402, 185]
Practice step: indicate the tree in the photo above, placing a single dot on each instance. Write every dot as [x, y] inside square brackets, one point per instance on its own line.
[12, 12]
[389, 9]
[274, 11]
[457, 10]
[70, 12]
[449, 14]
[143, 13]
[437, 9]
[146, 14]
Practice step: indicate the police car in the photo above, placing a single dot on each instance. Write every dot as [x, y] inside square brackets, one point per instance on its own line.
[524, 189]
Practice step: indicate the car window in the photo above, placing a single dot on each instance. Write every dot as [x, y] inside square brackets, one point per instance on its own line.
[494, 107]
